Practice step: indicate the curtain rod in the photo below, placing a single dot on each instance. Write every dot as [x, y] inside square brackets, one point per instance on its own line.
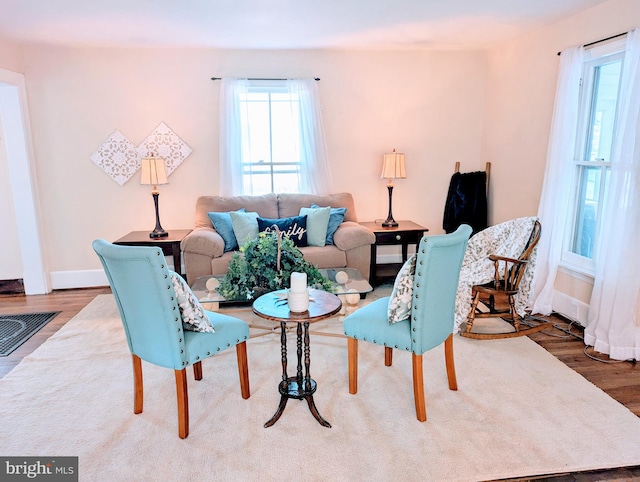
[257, 78]
[602, 40]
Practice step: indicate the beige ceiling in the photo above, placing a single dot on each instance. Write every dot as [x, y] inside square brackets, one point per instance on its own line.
[280, 24]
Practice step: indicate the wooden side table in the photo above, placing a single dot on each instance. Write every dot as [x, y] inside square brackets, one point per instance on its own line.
[272, 306]
[406, 233]
[170, 245]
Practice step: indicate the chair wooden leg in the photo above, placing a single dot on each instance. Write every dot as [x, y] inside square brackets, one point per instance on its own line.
[388, 356]
[183, 403]
[448, 359]
[243, 369]
[352, 344]
[138, 392]
[514, 315]
[197, 370]
[418, 387]
[472, 313]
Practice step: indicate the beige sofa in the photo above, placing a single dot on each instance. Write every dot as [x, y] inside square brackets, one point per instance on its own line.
[203, 248]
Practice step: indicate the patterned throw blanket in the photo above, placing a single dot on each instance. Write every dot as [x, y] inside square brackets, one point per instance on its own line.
[506, 239]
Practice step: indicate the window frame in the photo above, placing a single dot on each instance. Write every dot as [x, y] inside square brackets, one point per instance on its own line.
[269, 167]
[595, 57]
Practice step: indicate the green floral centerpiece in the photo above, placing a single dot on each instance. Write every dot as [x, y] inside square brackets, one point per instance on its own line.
[265, 264]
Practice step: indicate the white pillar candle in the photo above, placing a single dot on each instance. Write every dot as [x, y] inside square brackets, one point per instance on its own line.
[298, 282]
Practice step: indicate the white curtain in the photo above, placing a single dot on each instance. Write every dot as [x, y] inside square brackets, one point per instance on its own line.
[230, 179]
[614, 321]
[555, 202]
[315, 176]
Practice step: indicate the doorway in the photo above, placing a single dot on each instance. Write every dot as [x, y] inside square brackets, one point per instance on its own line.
[20, 166]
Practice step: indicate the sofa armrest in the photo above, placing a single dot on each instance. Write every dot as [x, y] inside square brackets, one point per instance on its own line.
[351, 235]
[203, 241]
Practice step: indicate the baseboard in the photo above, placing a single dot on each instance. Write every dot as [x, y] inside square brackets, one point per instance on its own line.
[89, 278]
[63, 280]
[570, 307]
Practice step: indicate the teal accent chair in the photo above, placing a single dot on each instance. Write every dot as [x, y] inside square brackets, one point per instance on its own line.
[431, 319]
[141, 283]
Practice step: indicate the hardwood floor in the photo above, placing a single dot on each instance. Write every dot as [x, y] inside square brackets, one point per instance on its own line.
[621, 380]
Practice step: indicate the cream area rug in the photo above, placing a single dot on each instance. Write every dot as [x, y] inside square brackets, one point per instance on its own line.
[518, 412]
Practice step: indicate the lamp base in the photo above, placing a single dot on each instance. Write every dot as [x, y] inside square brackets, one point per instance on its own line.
[390, 222]
[158, 234]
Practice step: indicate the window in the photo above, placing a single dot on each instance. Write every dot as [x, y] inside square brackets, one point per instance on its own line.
[271, 138]
[600, 86]
[270, 117]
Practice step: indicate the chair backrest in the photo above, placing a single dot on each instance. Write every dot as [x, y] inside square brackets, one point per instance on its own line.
[516, 271]
[141, 284]
[435, 285]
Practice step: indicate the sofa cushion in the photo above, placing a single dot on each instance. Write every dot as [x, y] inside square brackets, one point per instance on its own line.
[245, 225]
[294, 227]
[265, 205]
[325, 256]
[222, 224]
[317, 223]
[289, 204]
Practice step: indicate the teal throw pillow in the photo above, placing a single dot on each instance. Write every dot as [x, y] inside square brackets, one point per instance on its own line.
[317, 224]
[399, 307]
[222, 224]
[294, 227]
[245, 226]
[335, 220]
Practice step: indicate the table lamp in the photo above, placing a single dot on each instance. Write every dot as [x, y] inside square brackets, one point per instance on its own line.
[154, 173]
[392, 168]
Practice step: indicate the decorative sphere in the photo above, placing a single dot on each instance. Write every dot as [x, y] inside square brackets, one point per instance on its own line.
[342, 277]
[352, 297]
[212, 284]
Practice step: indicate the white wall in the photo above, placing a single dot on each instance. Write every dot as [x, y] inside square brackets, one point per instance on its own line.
[426, 104]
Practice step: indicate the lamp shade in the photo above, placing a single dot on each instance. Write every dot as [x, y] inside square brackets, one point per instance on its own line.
[393, 166]
[153, 171]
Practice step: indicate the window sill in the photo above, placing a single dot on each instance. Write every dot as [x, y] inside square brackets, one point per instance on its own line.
[578, 272]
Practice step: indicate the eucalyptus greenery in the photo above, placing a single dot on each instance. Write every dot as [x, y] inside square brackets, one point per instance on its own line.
[254, 269]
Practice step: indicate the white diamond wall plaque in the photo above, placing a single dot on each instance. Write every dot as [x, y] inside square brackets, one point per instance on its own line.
[117, 157]
[163, 142]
